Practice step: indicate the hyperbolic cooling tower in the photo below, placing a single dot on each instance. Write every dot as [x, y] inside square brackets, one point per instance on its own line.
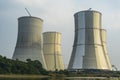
[52, 50]
[29, 42]
[89, 49]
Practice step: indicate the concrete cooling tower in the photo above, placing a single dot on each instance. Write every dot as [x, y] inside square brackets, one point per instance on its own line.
[89, 49]
[29, 41]
[52, 50]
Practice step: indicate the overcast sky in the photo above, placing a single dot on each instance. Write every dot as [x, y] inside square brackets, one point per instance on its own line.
[58, 16]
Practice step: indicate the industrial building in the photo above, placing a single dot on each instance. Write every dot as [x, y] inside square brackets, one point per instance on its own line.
[52, 51]
[29, 42]
[89, 49]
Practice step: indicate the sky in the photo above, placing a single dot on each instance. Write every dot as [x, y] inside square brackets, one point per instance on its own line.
[58, 16]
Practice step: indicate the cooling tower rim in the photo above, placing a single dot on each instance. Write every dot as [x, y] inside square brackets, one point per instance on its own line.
[29, 17]
[103, 30]
[94, 11]
[51, 32]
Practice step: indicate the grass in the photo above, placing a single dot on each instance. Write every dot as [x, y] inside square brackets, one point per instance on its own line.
[23, 76]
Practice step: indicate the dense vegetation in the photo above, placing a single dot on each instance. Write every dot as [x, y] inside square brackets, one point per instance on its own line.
[91, 73]
[9, 66]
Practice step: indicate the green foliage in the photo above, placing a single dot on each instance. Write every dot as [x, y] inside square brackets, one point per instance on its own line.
[92, 73]
[8, 66]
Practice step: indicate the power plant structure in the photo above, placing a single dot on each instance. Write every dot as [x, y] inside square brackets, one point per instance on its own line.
[52, 51]
[89, 49]
[29, 42]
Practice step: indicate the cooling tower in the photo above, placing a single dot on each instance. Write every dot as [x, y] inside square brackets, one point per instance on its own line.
[103, 34]
[29, 41]
[89, 49]
[52, 50]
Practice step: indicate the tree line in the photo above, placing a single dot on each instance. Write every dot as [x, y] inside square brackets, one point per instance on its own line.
[9, 66]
